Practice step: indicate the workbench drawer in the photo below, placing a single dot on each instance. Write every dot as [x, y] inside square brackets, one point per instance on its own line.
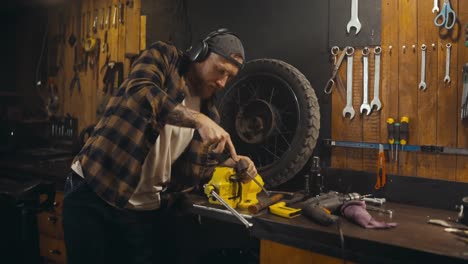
[50, 224]
[52, 249]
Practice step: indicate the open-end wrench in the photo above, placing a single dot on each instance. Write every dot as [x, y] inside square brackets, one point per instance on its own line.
[349, 84]
[435, 9]
[354, 21]
[365, 80]
[376, 101]
[422, 84]
[447, 64]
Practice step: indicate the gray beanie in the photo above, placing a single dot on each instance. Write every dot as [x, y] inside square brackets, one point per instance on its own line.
[226, 45]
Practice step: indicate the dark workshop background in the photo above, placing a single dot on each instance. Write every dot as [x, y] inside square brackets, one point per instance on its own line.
[296, 32]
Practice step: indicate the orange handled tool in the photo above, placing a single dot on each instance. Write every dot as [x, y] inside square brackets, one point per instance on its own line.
[381, 171]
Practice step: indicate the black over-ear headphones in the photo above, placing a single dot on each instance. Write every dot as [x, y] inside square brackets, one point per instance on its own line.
[200, 50]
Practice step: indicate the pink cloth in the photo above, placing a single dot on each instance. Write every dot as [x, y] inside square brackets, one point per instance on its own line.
[356, 212]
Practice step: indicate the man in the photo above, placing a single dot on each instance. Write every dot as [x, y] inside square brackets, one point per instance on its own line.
[161, 114]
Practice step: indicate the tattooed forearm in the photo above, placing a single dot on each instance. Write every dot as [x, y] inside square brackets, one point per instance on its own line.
[183, 116]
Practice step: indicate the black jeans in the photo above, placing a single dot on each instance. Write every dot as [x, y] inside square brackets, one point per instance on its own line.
[96, 232]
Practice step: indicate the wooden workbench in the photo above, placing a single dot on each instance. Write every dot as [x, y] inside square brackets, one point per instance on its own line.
[413, 241]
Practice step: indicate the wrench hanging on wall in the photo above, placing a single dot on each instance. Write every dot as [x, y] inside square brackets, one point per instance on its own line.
[365, 80]
[349, 84]
[447, 64]
[376, 101]
[354, 21]
[422, 84]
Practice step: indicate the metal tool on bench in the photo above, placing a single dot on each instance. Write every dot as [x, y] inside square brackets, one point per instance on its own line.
[447, 63]
[464, 102]
[376, 101]
[380, 210]
[365, 90]
[354, 21]
[334, 51]
[422, 84]
[447, 16]
[349, 84]
[445, 223]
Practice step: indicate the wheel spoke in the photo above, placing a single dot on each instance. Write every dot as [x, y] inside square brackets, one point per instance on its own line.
[267, 150]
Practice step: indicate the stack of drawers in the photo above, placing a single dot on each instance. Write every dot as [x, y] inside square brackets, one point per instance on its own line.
[51, 242]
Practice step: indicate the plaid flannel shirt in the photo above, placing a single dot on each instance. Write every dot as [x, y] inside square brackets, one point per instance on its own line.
[112, 157]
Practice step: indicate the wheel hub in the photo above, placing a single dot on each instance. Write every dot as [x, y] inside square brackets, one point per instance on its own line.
[256, 121]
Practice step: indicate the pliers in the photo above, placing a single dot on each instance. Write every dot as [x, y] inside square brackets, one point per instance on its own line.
[76, 79]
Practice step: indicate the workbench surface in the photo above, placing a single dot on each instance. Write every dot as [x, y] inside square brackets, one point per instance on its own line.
[413, 241]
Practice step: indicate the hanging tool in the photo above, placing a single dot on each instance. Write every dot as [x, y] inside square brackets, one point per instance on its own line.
[76, 79]
[354, 21]
[72, 37]
[95, 21]
[447, 64]
[376, 101]
[391, 135]
[365, 102]
[114, 19]
[113, 77]
[422, 84]
[381, 170]
[447, 16]
[404, 132]
[108, 14]
[76, 69]
[101, 18]
[349, 84]
[435, 9]
[121, 12]
[464, 103]
[397, 139]
[334, 51]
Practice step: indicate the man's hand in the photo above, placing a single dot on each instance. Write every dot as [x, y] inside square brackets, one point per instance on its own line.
[214, 135]
[211, 133]
[250, 171]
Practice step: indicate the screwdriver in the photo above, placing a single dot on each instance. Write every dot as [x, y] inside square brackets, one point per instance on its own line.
[397, 138]
[391, 137]
[404, 131]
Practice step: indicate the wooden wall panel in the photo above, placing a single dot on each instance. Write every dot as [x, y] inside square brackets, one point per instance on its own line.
[434, 113]
[389, 73]
[83, 104]
[427, 99]
[407, 83]
[446, 105]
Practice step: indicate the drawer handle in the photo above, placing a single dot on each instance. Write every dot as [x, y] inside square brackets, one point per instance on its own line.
[54, 252]
[52, 219]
